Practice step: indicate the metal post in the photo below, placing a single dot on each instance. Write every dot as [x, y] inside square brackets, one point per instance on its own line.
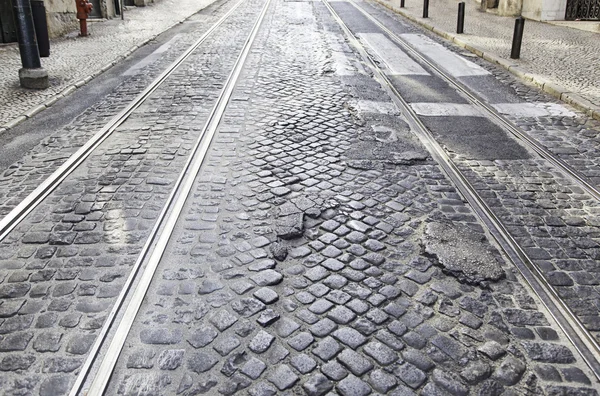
[515, 51]
[31, 75]
[460, 25]
[425, 8]
[401, 3]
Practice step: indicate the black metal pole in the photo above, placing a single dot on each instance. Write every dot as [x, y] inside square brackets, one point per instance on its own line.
[460, 25]
[401, 3]
[31, 75]
[425, 8]
[30, 57]
[41, 27]
[515, 51]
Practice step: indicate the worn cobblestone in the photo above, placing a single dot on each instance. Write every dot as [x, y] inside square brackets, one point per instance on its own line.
[374, 314]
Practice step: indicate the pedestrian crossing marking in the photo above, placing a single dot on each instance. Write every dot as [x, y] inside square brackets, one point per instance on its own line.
[446, 109]
[454, 64]
[397, 61]
[468, 110]
[533, 109]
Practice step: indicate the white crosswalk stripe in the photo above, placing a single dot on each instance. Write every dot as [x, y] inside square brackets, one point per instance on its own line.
[397, 61]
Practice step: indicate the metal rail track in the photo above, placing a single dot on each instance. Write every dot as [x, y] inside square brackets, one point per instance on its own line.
[159, 239]
[15, 216]
[580, 337]
[493, 114]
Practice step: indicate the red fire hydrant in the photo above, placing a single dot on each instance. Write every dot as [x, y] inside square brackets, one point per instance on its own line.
[84, 8]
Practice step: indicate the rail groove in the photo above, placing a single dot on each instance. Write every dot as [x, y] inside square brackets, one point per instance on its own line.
[161, 234]
[580, 337]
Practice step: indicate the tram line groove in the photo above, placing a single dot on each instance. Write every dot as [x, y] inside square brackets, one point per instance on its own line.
[578, 335]
[161, 234]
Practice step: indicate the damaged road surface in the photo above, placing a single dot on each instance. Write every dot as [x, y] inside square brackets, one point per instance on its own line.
[462, 253]
[321, 250]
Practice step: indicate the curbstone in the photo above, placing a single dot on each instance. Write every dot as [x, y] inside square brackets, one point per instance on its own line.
[554, 90]
[53, 99]
[34, 110]
[69, 90]
[14, 122]
[582, 104]
[474, 50]
[517, 71]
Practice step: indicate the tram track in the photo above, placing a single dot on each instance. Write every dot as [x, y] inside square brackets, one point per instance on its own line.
[158, 240]
[583, 341]
[27, 205]
[488, 110]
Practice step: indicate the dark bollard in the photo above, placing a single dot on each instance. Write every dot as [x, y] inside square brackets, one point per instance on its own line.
[32, 75]
[425, 8]
[401, 3]
[515, 52]
[460, 25]
[41, 27]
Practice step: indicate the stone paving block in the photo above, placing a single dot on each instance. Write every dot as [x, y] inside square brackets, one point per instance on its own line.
[354, 362]
[261, 342]
[283, 377]
[352, 385]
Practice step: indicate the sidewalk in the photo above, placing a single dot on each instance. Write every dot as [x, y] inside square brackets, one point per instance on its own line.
[561, 60]
[75, 60]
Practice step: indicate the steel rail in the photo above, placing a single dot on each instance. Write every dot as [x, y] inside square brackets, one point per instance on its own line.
[578, 335]
[171, 213]
[84, 372]
[501, 120]
[15, 216]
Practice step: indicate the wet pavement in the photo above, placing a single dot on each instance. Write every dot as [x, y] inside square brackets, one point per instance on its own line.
[321, 251]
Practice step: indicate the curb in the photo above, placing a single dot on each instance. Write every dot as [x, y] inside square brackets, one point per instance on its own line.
[563, 94]
[80, 83]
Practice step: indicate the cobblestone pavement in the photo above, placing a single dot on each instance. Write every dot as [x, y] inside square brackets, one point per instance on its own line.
[62, 268]
[315, 256]
[74, 58]
[556, 223]
[561, 55]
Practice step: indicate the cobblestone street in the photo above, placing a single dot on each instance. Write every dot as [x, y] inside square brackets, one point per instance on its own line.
[272, 220]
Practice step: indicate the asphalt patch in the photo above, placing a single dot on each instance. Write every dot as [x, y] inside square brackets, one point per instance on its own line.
[475, 138]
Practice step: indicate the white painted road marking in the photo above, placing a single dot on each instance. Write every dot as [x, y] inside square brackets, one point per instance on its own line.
[396, 60]
[446, 109]
[372, 106]
[454, 64]
[515, 109]
[533, 109]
